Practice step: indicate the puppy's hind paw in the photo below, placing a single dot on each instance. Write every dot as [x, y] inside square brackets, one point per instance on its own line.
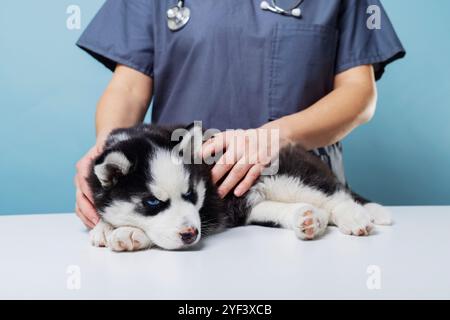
[353, 219]
[128, 239]
[379, 214]
[309, 222]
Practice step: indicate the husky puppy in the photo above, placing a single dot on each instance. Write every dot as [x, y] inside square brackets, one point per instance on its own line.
[148, 196]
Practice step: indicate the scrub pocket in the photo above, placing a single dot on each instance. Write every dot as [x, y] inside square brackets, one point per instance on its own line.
[301, 69]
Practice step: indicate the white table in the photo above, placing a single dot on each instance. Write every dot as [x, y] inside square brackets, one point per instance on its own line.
[48, 256]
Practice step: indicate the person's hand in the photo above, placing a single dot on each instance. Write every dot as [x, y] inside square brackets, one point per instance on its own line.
[84, 206]
[245, 155]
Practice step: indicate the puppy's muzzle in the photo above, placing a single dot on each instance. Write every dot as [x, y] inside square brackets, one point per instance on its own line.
[189, 235]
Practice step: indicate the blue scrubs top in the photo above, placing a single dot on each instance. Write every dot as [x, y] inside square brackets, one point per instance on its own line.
[236, 66]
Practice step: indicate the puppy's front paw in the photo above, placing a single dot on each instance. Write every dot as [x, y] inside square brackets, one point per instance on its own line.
[309, 222]
[353, 219]
[100, 233]
[128, 239]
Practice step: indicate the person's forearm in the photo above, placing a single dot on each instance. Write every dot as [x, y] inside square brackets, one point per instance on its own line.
[349, 105]
[114, 110]
[123, 104]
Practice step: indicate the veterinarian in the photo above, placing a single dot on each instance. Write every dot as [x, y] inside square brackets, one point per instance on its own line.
[307, 68]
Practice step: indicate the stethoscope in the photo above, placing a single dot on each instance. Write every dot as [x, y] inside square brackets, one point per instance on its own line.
[178, 16]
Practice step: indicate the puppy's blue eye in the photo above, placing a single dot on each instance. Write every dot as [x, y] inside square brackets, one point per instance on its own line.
[151, 206]
[153, 202]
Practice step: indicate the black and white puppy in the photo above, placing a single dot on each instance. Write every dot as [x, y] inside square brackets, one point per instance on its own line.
[148, 195]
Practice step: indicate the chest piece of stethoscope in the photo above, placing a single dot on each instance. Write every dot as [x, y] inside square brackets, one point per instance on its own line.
[178, 16]
[294, 11]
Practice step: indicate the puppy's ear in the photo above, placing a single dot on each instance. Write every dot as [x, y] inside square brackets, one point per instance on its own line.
[111, 167]
[191, 139]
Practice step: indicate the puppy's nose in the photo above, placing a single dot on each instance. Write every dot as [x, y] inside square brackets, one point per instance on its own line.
[188, 235]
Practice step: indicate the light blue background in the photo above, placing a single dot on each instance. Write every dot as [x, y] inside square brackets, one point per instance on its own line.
[49, 89]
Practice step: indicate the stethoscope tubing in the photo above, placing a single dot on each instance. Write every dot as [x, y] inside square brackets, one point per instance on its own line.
[286, 11]
[176, 23]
